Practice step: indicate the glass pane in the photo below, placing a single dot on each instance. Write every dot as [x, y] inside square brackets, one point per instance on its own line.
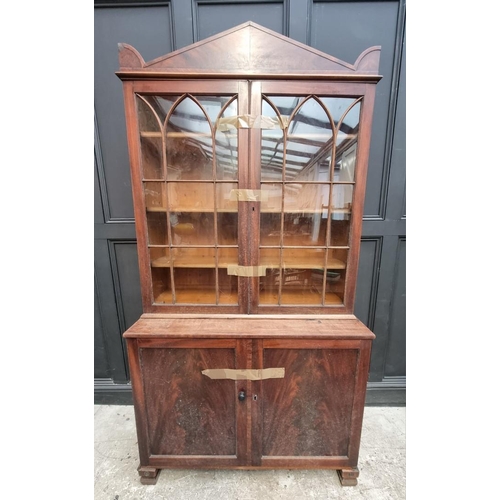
[339, 232]
[342, 201]
[337, 106]
[308, 138]
[213, 105]
[157, 228]
[200, 258]
[286, 104]
[154, 195]
[270, 283]
[227, 256]
[160, 256]
[227, 228]
[149, 121]
[306, 210]
[226, 199]
[304, 229]
[162, 285]
[194, 285]
[271, 148]
[151, 159]
[270, 214]
[270, 229]
[228, 288]
[151, 141]
[161, 104]
[226, 144]
[190, 197]
[346, 145]
[337, 258]
[304, 258]
[189, 143]
[192, 228]
[335, 286]
[299, 288]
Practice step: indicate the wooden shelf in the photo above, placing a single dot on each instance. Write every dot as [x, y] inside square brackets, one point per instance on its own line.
[204, 261]
[265, 298]
[277, 210]
[297, 297]
[148, 134]
[235, 210]
[199, 262]
[197, 297]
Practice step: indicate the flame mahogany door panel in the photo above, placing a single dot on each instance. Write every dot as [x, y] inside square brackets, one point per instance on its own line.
[312, 415]
[188, 418]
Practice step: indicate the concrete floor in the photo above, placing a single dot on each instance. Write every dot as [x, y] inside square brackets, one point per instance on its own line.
[382, 465]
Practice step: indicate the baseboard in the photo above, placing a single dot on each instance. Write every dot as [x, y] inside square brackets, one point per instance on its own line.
[106, 392]
[391, 391]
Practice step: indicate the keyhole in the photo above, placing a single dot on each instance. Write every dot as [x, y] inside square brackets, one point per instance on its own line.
[255, 397]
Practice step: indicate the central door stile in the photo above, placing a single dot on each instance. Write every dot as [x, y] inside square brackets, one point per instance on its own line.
[243, 415]
[256, 402]
[254, 157]
[244, 167]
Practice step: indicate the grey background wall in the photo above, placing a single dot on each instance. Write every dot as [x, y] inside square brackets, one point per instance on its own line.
[340, 28]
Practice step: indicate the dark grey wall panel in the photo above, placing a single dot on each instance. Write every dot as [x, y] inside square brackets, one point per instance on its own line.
[214, 17]
[98, 212]
[108, 306]
[395, 364]
[149, 30]
[396, 208]
[101, 368]
[345, 29]
[367, 283]
[125, 267]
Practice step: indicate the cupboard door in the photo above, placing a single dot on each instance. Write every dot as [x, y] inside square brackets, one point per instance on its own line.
[309, 412]
[189, 415]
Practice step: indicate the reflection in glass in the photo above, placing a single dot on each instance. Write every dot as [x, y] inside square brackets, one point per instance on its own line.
[346, 145]
[151, 141]
[161, 105]
[337, 106]
[270, 214]
[227, 228]
[316, 198]
[226, 143]
[154, 194]
[157, 228]
[309, 134]
[339, 232]
[192, 228]
[342, 201]
[269, 285]
[271, 147]
[228, 288]
[189, 143]
[213, 106]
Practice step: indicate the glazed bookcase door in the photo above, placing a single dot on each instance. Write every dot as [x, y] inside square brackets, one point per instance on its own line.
[290, 246]
[308, 164]
[189, 166]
